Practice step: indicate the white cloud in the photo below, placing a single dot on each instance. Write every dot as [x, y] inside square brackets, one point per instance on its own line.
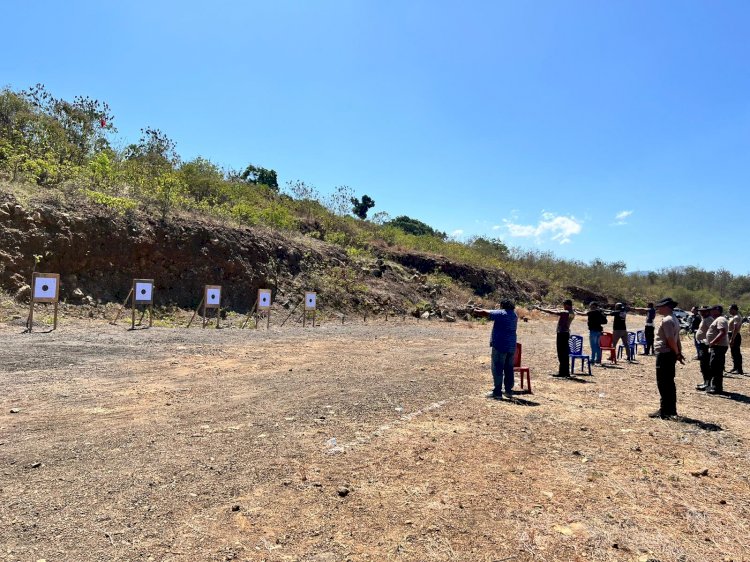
[552, 226]
[623, 215]
[457, 233]
[620, 218]
[497, 227]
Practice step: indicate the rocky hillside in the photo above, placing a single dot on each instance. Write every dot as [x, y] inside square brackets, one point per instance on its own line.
[98, 252]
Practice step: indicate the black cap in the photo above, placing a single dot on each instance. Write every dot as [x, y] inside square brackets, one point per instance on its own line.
[568, 301]
[718, 307]
[704, 307]
[666, 301]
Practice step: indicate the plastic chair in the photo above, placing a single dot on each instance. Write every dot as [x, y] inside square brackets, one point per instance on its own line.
[631, 345]
[605, 343]
[640, 339]
[575, 344]
[517, 368]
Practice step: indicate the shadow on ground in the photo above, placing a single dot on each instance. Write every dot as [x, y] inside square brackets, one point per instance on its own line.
[700, 424]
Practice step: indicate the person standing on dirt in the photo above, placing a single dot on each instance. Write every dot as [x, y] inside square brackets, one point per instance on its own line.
[566, 316]
[700, 341]
[718, 342]
[735, 339]
[648, 329]
[503, 345]
[668, 351]
[596, 321]
[619, 329]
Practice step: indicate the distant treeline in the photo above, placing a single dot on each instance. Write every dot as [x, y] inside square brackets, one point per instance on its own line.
[67, 147]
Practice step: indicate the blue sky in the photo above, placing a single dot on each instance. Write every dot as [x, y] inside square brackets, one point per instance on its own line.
[617, 130]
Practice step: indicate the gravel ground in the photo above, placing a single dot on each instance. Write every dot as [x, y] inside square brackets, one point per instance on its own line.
[354, 442]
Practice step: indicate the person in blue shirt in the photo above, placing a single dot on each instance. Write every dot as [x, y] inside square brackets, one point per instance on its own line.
[503, 344]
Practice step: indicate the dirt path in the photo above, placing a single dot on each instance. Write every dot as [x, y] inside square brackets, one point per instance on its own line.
[191, 445]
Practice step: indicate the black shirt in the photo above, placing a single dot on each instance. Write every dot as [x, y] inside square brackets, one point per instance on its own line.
[596, 320]
[619, 320]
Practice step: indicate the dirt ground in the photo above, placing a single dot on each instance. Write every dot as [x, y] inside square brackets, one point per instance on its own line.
[355, 442]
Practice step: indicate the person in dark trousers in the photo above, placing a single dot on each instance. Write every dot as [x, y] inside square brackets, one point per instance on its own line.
[596, 321]
[566, 316]
[649, 329]
[619, 329]
[695, 323]
[700, 341]
[735, 339]
[668, 351]
[717, 339]
[503, 345]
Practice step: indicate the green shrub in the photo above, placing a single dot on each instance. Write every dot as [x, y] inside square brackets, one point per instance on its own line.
[120, 205]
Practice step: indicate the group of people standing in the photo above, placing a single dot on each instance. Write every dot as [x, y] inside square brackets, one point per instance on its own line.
[714, 335]
[596, 319]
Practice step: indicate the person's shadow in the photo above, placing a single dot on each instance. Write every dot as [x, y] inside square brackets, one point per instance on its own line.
[736, 396]
[522, 401]
[706, 426]
[575, 378]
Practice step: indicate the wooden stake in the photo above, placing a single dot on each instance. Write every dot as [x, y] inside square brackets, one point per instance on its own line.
[30, 320]
[54, 321]
[290, 314]
[122, 307]
[196, 312]
[249, 314]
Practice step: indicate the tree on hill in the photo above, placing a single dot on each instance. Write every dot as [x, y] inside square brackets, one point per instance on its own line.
[361, 207]
[258, 175]
[416, 227]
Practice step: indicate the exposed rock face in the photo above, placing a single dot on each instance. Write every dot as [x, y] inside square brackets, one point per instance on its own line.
[482, 281]
[98, 253]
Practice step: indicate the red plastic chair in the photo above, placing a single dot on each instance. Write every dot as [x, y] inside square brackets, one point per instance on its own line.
[517, 368]
[605, 342]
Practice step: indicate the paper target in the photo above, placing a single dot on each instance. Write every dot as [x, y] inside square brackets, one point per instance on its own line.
[213, 296]
[310, 301]
[264, 298]
[143, 291]
[46, 287]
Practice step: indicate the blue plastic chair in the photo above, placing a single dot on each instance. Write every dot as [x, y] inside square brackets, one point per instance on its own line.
[640, 339]
[631, 345]
[575, 345]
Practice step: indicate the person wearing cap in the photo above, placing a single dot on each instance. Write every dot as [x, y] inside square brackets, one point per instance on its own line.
[695, 323]
[717, 339]
[503, 345]
[668, 350]
[619, 329]
[702, 344]
[596, 321]
[566, 316]
[735, 339]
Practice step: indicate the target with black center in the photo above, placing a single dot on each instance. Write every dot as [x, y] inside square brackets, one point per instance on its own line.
[264, 298]
[310, 301]
[212, 296]
[143, 291]
[46, 287]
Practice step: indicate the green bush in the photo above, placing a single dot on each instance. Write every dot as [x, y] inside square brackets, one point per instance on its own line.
[120, 205]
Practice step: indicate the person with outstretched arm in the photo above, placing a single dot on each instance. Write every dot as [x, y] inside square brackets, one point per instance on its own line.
[503, 345]
[566, 316]
[596, 321]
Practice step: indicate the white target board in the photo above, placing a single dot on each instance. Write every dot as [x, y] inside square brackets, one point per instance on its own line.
[310, 301]
[264, 299]
[46, 287]
[212, 296]
[143, 291]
